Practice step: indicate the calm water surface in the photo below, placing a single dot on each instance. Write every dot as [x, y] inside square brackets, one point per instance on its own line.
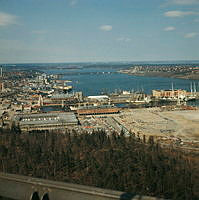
[92, 81]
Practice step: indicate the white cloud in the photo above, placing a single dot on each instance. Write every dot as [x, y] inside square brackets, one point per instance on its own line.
[106, 27]
[177, 13]
[7, 19]
[124, 39]
[191, 35]
[185, 2]
[169, 28]
[73, 2]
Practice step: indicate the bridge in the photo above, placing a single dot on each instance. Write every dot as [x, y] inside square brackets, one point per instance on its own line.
[17, 187]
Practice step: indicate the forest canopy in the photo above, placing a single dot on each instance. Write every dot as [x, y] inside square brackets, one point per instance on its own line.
[113, 162]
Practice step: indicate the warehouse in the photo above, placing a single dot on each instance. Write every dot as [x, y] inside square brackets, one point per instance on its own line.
[46, 121]
[97, 110]
[169, 93]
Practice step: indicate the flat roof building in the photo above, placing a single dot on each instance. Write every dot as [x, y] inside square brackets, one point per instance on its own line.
[169, 93]
[100, 97]
[46, 121]
[97, 110]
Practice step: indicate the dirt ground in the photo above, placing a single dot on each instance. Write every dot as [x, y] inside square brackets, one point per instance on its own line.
[152, 121]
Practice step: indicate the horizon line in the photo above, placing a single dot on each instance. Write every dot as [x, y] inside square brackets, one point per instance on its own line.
[78, 62]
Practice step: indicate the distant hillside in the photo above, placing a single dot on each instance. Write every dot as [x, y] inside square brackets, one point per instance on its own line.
[183, 71]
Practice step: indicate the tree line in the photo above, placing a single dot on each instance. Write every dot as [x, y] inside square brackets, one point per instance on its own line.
[108, 161]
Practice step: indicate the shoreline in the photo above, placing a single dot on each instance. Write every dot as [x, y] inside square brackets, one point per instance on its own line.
[162, 74]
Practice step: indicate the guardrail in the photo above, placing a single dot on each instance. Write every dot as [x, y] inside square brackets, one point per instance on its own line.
[27, 188]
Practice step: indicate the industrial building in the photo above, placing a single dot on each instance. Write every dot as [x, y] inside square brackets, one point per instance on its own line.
[97, 110]
[46, 121]
[1, 87]
[60, 99]
[169, 93]
[98, 98]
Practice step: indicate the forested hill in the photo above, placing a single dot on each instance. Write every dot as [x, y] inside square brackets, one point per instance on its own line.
[114, 162]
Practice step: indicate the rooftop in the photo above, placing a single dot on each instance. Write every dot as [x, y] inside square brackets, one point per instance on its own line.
[96, 107]
[61, 96]
[47, 118]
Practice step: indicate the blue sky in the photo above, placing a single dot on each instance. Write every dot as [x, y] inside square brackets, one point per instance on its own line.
[98, 30]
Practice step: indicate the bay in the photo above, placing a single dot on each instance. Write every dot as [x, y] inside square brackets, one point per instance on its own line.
[95, 81]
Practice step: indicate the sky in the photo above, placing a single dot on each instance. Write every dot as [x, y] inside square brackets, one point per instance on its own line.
[37, 31]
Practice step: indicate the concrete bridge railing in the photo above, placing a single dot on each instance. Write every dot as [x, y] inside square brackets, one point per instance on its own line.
[26, 188]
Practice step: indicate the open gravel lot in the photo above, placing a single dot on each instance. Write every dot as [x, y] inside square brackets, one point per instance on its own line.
[179, 124]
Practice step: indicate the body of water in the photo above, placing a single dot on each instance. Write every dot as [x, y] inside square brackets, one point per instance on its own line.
[95, 81]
